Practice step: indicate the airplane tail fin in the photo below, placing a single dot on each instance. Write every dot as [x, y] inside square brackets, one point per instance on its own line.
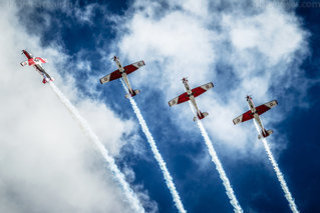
[201, 116]
[46, 80]
[135, 92]
[265, 133]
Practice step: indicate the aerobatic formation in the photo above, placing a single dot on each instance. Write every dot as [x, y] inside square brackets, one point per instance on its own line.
[190, 95]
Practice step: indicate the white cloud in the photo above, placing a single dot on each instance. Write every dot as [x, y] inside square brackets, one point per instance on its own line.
[47, 163]
[257, 44]
[169, 42]
[273, 32]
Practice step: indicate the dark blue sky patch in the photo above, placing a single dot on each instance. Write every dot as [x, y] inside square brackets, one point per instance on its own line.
[260, 191]
[117, 7]
[54, 21]
[300, 159]
[310, 16]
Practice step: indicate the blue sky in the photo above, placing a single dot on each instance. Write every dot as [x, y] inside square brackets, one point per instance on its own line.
[269, 51]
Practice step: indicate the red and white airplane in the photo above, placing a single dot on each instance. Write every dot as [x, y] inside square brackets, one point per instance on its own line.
[36, 63]
[255, 113]
[190, 95]
[123, 72]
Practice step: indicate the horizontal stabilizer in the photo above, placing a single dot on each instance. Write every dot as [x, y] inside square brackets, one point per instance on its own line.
[201, 116]
[204, 114]
[46, 80]
[135, 92]
[263, 135]
[269, 132]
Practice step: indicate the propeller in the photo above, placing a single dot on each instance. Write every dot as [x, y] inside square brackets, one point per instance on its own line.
[248, 96]
[114, 58]
[184, 79]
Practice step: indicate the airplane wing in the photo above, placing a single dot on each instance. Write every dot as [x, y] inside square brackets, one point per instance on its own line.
[117, 74]
[244, 117]
[265, 107]
[180, 99]
[133, 67]
[199, 90]
[110, 77]
[260, 110]
[195, 92]
[42, 60]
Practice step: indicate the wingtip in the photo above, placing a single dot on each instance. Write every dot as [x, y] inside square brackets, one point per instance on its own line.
[235, 121]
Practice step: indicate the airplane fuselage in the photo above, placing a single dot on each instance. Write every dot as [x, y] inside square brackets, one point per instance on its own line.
[124, 75]
[41, 71]
[191, 97]
[256, 116]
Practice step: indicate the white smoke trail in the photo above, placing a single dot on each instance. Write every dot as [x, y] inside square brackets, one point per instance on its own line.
[214, 157]
[157, 155]
[131, 196]
[279, 174]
